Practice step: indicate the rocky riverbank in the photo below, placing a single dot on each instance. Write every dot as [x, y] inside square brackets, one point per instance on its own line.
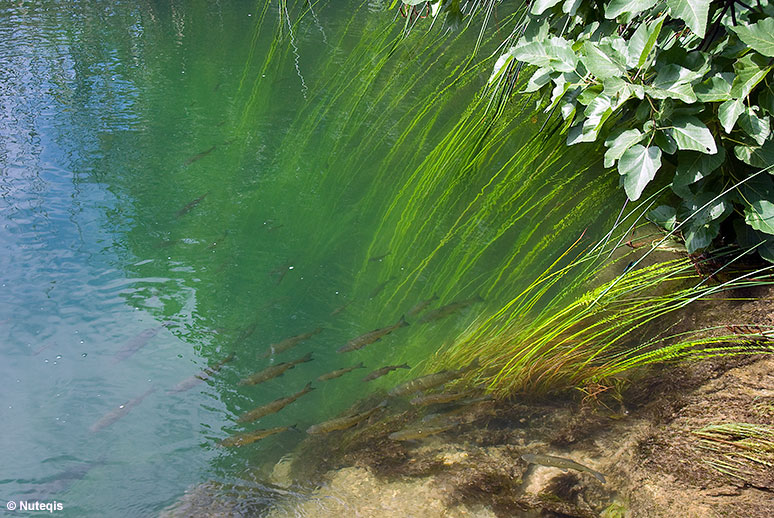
[644, 435]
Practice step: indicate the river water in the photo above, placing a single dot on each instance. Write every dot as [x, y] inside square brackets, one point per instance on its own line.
[182, 181]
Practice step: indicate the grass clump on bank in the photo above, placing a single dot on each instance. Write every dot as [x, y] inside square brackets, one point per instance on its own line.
[558, 334]
[739, 450]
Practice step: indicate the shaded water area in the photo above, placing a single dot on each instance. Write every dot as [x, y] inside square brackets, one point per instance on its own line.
[185, 181]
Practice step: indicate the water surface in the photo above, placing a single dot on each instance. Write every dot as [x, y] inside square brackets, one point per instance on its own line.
[183, 181]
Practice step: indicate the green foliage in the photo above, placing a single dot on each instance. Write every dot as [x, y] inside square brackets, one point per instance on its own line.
[558, 334]
[679, 91]
[579, 339]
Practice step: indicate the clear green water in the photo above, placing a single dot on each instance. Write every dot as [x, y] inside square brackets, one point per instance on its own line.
[317, 149]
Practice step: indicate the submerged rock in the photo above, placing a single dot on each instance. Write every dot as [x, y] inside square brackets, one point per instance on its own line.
[358, 492]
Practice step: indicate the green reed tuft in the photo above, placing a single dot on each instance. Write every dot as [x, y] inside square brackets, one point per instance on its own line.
[557, 334]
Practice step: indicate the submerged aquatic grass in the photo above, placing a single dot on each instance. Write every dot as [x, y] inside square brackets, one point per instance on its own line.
[559, 334]
[477, 212]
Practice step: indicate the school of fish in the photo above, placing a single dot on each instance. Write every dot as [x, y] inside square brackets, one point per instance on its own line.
[419, 389]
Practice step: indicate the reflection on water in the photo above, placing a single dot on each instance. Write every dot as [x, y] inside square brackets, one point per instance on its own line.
[185, 203]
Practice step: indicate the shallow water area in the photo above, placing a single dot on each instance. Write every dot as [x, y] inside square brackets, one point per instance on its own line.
[184, 186]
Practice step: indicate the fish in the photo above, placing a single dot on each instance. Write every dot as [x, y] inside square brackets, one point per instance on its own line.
[340, 308]
[190, 205]
[561, 463]
[274, 371]
[251, 437]
[220, 239]
[378, 258]
[199, 156]
[137, 343]
[280, 272]
[293, 341]
[431, 380]
[166, 243]
[194, 380]
[114, 415]
[438, 398]
[448, 309]
[54, 484]
[43, 348]
[371, 336]
[380, 287]
[342, 423]
[420, 307]
[274, 406]
[458, 413]
[378, 373]
[247, 332]
[340, 372]
[420, 432]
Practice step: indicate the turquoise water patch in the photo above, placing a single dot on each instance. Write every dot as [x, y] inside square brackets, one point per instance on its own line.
[180, 183]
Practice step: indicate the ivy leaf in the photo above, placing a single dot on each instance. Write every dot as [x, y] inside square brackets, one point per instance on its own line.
[537, 30]
[729, 112]
[568, 106]
[642, 42]
[620, 91]
[714, 89]
[704, 208]
[693, 12]
[618, 7]
[571, 6]
[759, 36]
[620, 143]
[664, 216]
[681, 92]
[759, 214]
[692, 166]
[756, 127]
[556, 94]
[700, 235]
[749, 69]
[638, 166]
[501, 64]
[749, 238]
[766, 99]
[690, 133]
[600, 63]
[540, 6]
[533, 52]
[596, 113]
[555, 53]
[562, 57]
[756, 156]
[672, 75]
[539, 79]
[666, 142]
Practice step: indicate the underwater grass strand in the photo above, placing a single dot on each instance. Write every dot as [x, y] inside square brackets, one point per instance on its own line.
[575, 341]
[740, 450]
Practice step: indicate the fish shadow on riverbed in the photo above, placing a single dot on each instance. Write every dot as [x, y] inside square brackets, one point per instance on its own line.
[47, 487]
